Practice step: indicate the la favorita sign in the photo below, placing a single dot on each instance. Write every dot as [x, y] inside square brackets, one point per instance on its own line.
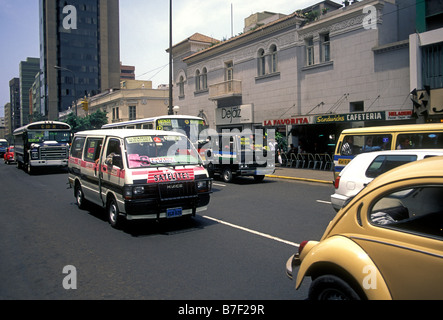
[286, 122]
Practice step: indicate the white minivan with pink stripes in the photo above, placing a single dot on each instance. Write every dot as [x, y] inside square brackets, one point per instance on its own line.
[138, 174]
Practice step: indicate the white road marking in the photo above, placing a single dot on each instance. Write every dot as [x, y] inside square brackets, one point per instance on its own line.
[253, 231]
[218, 184]
[322, 201]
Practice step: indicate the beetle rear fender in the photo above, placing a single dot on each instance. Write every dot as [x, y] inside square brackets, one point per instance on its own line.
[344, 258]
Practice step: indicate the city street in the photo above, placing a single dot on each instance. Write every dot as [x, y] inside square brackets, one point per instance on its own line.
[236, 250]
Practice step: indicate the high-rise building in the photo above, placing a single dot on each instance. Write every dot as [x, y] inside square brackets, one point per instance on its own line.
[14, 98]
[80, 51]
[28, 71]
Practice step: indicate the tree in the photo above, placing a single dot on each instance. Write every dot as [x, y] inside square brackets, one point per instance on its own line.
[92, 121]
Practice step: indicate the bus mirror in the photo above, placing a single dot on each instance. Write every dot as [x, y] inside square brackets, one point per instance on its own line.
[209, 153]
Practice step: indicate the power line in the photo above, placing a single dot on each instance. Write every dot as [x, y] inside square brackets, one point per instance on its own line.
[162, 67]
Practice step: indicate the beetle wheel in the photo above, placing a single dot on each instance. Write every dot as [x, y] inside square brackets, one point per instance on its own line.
[330, 287]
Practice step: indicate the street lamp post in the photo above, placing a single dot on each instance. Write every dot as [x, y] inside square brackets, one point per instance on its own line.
[75, 87]
[170, 109]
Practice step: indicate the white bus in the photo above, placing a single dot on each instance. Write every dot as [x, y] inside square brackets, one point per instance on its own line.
[42, 144]
[190, 125]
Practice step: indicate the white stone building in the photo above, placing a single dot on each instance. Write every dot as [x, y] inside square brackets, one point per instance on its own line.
[309, 74]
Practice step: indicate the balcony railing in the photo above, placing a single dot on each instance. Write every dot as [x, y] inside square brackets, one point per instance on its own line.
[226, 89]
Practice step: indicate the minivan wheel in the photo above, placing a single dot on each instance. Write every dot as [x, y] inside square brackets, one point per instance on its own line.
[330, 287]
[79, 196]
[114, 217]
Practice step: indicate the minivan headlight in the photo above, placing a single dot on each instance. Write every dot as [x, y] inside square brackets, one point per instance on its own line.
[204, 185]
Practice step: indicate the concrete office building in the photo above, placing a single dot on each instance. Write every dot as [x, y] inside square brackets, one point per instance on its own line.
[80, 51]
[14, 99]
[27, 71]
[309, 74]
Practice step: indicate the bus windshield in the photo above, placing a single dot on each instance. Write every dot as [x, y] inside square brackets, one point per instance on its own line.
[190, 127]
[42, 136]
[160, 150]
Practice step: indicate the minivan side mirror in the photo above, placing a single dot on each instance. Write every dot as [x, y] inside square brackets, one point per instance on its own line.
[117, 160]
[114, 160]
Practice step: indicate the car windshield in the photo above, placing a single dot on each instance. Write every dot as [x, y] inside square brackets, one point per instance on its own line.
[160, 150]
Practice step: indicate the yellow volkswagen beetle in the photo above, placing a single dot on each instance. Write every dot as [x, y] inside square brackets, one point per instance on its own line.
[386, 243]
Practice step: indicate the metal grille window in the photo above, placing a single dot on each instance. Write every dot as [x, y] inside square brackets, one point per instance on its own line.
[432, 65]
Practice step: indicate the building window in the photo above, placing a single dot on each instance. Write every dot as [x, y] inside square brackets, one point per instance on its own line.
[229, 67]
[310, 51]
[357, 106]
[273, 52]
[197, 81]
[229, 75]
[132, 112]
[325, 48]
[181, 87]
[204, 79]
[115, 114]
[261, 63]
[432, 65]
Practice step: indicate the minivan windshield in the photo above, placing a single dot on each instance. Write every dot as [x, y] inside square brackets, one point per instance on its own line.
[160, 150]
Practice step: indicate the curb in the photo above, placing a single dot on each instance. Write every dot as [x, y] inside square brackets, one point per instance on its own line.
[299, 179]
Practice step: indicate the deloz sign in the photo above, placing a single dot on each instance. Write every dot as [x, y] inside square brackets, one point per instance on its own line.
[286, 122]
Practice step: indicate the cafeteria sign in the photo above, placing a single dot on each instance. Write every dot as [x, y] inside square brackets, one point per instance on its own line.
[348, 117]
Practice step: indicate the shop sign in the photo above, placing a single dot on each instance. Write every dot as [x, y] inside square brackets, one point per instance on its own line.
[348, 117]
[286, 122]
[234, 115]
[398, 115]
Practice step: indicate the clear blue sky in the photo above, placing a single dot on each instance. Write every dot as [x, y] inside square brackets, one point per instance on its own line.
[144, 31]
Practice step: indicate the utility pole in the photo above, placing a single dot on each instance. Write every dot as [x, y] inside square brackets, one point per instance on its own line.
[170, 108]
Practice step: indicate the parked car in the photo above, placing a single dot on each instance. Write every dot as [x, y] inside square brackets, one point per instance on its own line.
[385, 244]
[3, 147]
[9, 155]
[367, 166]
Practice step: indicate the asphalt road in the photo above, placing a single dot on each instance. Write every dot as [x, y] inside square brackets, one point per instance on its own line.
[236, 250]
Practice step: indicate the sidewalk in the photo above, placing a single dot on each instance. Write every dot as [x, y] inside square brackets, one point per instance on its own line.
[310, 175]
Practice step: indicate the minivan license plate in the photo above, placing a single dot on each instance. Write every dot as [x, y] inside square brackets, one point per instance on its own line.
[174, 212]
